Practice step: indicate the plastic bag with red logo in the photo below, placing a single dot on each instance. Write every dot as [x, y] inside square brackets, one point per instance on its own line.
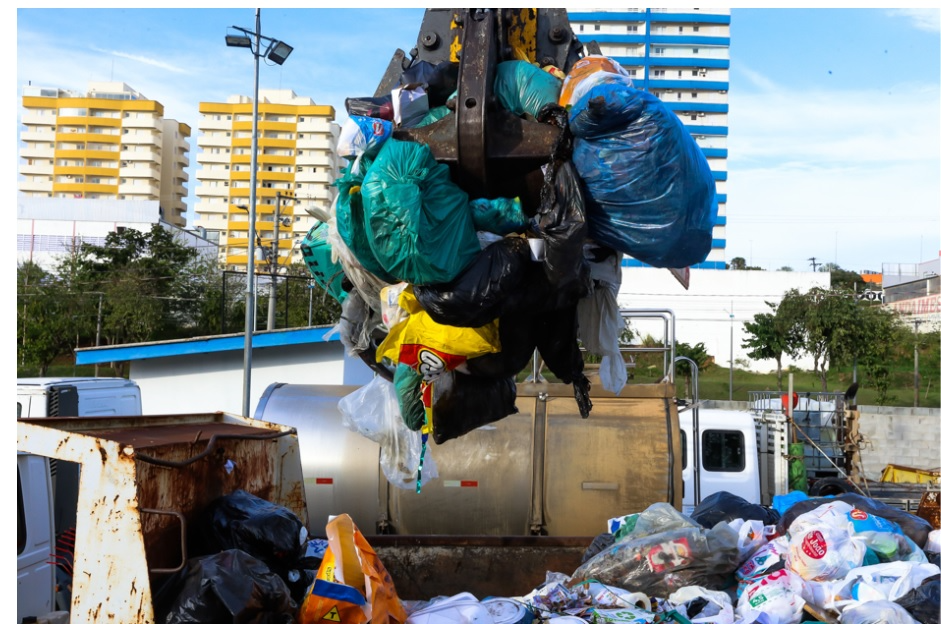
[767, 559]
[822, 553]
[777, 594]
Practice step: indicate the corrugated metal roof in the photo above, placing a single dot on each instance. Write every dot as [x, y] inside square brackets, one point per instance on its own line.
[203, 344]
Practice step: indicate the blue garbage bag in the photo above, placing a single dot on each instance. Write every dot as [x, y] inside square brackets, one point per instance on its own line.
[650, 192]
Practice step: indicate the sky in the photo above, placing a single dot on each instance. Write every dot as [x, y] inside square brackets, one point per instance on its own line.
[834, 114]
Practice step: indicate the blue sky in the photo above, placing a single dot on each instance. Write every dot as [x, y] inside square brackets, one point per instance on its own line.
[834, 122]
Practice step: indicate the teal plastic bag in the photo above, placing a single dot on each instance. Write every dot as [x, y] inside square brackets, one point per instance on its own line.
[522, 87]
[499, 216]
[351, 224]
[318, 256]
[435, 114]
[418, 223]
[408, 389]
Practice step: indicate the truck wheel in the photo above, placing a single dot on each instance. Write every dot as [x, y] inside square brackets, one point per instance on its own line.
[830, 486]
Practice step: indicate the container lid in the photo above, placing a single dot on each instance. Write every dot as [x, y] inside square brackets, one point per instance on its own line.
[507, 611]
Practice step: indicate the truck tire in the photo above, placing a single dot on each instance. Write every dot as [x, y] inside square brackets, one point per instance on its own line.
[831, 486]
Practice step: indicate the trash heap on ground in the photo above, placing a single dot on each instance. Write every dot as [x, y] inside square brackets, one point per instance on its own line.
[847, 559]
[448, 296]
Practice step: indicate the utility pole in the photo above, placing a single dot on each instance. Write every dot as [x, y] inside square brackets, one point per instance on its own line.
[813, 262]
[917, 323]
[274, 259]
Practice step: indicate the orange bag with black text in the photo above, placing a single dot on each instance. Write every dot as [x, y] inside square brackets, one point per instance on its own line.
[352, 586]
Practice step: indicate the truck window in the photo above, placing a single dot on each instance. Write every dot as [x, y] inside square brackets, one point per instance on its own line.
[20, 516]
[683, 446]
[19, 409]
[723, 451]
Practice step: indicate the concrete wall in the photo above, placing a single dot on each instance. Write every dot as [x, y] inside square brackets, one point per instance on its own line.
[908, 436]
[714, 309]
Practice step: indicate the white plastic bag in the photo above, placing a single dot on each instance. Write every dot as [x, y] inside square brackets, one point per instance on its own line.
[768, 558]
[373, 412]
[824, 553]
[752, 535]
[409, 105]
[718, 609]
[876, 612]
[778, 594]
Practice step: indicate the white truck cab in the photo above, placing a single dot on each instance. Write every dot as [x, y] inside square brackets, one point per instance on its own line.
[77, 396]
[727, 456]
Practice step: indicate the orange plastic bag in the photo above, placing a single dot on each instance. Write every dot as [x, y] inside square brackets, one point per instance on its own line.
[352, 586]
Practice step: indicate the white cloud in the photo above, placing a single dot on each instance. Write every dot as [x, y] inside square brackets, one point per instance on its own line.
[922, 19]
[143, 59]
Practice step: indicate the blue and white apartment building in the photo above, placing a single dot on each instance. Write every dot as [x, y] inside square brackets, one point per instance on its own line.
[682, 57]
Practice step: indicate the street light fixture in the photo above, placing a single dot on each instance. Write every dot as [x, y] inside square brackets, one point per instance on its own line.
[278, 52]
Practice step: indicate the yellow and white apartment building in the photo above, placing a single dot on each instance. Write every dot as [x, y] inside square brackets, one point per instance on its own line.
[296, 158]
[110, 143]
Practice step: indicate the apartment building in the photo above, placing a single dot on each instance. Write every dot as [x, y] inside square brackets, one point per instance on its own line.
[682, 57]
[296, 167]
[109, 143]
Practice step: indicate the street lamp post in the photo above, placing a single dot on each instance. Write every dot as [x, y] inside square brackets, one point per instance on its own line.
[917, 323]
[731, 344]
[278, 52]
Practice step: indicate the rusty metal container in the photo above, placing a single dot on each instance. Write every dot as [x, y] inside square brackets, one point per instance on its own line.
[144, 482]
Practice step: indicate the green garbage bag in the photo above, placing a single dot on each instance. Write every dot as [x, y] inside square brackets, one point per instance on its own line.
[796, 471]
[408, 389]
[435, 114]
[350, 220]
[418, 223]
[501, 216]
[522, 87]
[318, 256]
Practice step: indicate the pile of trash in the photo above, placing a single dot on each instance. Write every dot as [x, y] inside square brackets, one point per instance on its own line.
[846, 559]
[447, 296]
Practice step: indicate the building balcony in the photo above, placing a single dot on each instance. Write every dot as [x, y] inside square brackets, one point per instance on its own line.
[139, 187]
[86, 188]
[206, 157]
[316, 142]
[207, 123]
[32, 151]
[276, 126]
[139, 172]
[35, 186]
[46, 170]
[208, 140]
[38, 136]
[147, 123]
[36, 119]
[142, 139]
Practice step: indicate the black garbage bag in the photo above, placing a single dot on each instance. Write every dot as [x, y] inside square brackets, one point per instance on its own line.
[269, 532]
[916, 528]
[598, 544]
[439, 79]
[380, 107]
[461, 403]
[230, 587]
[560, 220]
[727, 506]
[519, 332]
[558, 345]
[924, 601]
[498, 282]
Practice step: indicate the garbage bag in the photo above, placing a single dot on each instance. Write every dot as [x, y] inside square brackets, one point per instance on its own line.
[585, 73]
[600, 323]
[561, 218]
[223, 588]
[875, 612]
[649, 191]
[418, 222]
[598, 544]
[351, 220]
[380, 107]
[923, 602]
[318, 256]
[498, 282]
[823, 552]
[435, 114]
[439, 79]
[661, 562]
[519, 332]
[408, 389]
[916, 528]
[362, 136]
[769, 558]
[523, 88]
[409, 105]
[265, 530]
[357, 325]
[503, 215]
[883, 581]
[557, 342]
[462, 403]
[727, 506]
[702, 606]
[373, 411]
[777, 594]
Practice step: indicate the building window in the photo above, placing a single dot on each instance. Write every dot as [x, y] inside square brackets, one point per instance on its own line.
[657, 73]
[681, 29]
[680, 73]
[695, 28]
[597, 27]
[695, 50]
[658, 51]
[632, 29]
[679, 96]
[693, 117]
[695, 95]
[300, 169]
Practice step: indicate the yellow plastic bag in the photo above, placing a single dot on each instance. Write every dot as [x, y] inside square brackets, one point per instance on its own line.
[352, 585]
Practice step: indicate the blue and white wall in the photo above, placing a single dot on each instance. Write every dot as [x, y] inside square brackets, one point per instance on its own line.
[682, 57]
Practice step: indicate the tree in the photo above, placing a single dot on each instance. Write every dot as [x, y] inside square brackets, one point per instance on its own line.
[698, 354]
[770, 337]
[786, 269]
[737, 264]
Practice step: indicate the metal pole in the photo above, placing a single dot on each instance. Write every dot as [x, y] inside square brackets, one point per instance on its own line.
[310, 304]
[98, 338]
[916, 362]
[273, 264]
[731, 347]
[250, 270]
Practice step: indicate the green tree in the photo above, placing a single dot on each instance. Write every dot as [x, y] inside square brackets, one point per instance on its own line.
[770, 336]
[698, 354]
[737, 264]
[786, 269]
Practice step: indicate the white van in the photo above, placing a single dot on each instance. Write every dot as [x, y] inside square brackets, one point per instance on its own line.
[77, 396]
